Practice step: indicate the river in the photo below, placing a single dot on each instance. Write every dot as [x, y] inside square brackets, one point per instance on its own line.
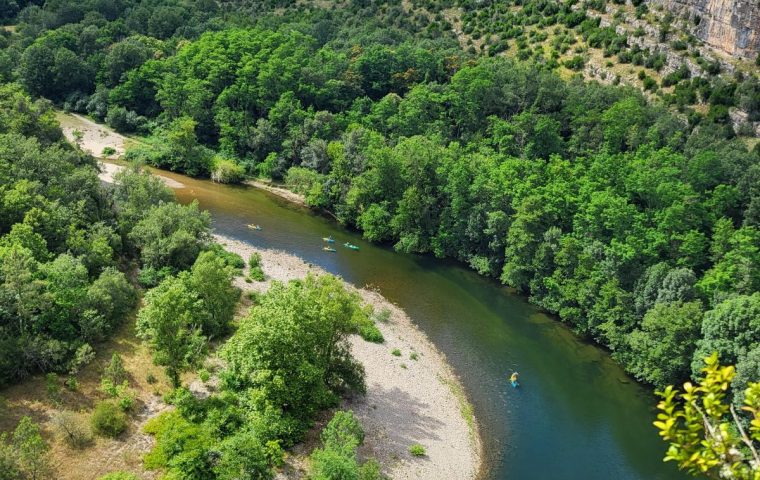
[577, 415]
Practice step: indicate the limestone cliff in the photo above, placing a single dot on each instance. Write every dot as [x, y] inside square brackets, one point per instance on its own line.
[731, 26]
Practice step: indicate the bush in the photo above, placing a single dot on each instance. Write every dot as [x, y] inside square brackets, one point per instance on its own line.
[371, 333]
[396, 352]
[204, 375]
[230, 259]
[255, 260]
[576, 63]
[9, 469]
[149, 277]
[71, 428]
[226, 171]
[417, 450]
[257, 273]
[337, 459]
[115, 371]
[108, 151]
[108, 419]
[123, 395]
[123, 120]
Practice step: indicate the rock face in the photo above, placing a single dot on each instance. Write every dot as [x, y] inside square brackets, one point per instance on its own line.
[732, 26]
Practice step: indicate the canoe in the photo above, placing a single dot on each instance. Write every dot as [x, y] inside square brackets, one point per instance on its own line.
[328, 249]
[328, 239]
[254, 227]
[351, 246]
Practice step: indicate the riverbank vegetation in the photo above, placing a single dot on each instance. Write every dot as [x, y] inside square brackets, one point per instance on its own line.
[636, 227]
[74, 255]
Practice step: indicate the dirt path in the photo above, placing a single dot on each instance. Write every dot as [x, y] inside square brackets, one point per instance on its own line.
[408, 401]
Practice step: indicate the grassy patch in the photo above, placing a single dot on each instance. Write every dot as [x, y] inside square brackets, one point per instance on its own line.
[417, 450]
[465, 407]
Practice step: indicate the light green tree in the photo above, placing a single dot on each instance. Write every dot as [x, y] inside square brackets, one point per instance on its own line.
[707, 436]
[171, 323]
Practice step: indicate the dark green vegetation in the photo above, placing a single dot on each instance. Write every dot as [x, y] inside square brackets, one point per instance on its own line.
[288, 360]
[184, 312]
[61, 247]
[637, 228]
[337, 458]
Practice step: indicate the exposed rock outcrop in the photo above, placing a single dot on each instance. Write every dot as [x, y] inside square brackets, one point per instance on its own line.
[731, 26]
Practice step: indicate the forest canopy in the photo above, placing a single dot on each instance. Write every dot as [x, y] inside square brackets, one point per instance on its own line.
[635, 224]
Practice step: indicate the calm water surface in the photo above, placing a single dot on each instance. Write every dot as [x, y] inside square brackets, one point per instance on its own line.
[577, 415]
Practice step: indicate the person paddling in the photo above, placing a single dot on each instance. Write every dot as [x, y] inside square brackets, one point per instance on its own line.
[513, 379]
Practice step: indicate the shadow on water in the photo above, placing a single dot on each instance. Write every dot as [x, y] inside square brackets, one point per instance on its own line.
[576, 414]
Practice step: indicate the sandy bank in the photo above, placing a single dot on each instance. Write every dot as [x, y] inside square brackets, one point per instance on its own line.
[94, 138]
[107, 171]
[279, 191]
[408, 401]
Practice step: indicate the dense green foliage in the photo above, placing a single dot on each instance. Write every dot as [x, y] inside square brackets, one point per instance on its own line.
[60, 289]
[596, 203]
[108, 419]
[288, 360]
[637, 227]
[336, 460]
[183, 312]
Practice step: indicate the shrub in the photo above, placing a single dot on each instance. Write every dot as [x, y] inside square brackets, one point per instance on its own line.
[30, 450]
[650, 84]
[83, 356]
[256, 273]
[226, 171]
[417, 450]
[413, 356]
[151, 379]
[343, 432]
[204, 375]
[123, 395]
[337, 459]
[115, 371]
[71, 428]
[124, 120]
[576, 63]
[255, 260]
[149, 277]
[396, 352]
[108, 151]
[71, 384]
[230, 259]
[371, 333]
[108, 419]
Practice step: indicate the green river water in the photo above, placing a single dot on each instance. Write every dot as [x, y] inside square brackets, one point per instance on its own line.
[577, 415]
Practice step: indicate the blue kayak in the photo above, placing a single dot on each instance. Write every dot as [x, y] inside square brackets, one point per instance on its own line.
[515, 384]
